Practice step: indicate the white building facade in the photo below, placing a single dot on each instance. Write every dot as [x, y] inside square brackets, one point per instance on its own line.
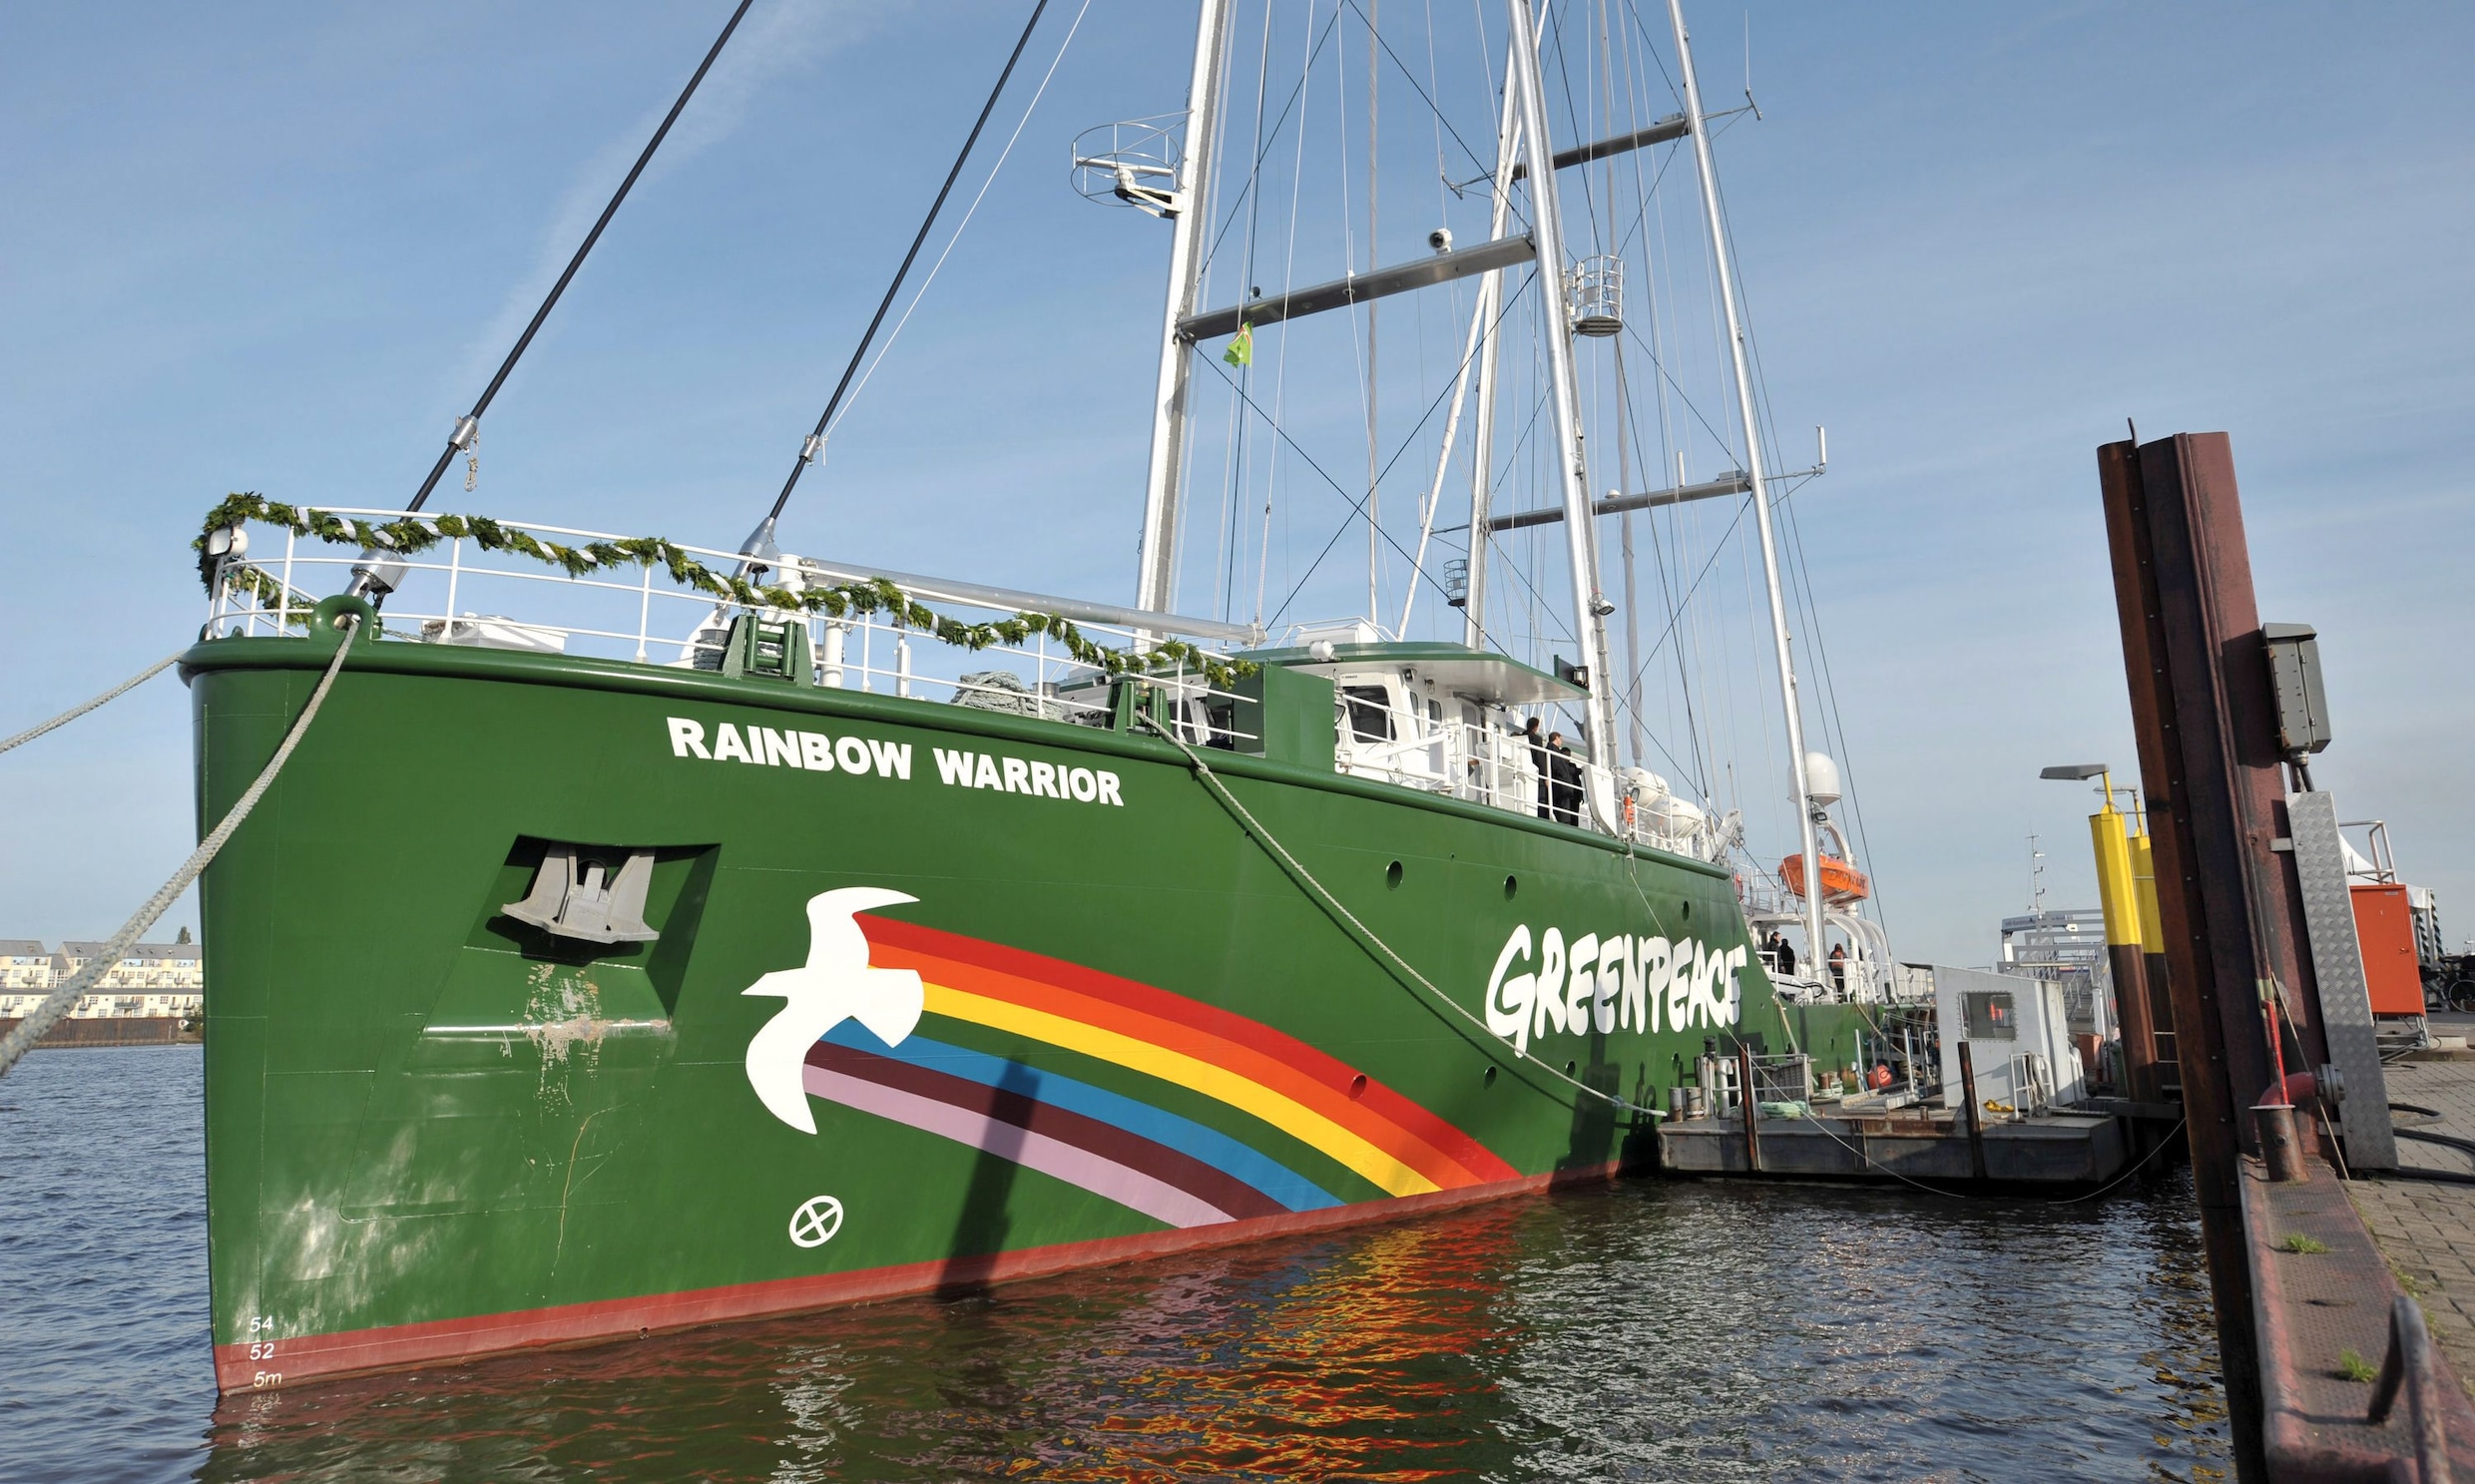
[154, 979]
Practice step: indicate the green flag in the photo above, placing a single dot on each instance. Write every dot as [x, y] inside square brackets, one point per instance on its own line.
[1240, 352]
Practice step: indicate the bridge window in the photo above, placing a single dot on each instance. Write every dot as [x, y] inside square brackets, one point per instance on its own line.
[1370, 713]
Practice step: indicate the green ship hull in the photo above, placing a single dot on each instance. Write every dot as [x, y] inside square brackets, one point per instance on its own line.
[1087, 1011]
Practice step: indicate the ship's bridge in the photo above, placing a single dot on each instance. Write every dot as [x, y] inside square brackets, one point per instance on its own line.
[1438, 717]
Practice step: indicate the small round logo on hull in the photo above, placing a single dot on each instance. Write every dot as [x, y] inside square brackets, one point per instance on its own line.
[815, 1222]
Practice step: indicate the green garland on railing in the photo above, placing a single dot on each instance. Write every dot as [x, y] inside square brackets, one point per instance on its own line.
[272, 594]
[407, 536]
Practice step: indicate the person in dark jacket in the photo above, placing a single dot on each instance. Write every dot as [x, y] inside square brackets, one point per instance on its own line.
[1838, 967]
[1565, 771]
[1538, 761]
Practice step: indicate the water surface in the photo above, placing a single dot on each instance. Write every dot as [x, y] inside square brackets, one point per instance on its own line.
[1716, 1331]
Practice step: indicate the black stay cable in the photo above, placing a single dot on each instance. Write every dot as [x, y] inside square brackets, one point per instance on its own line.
[814, 447]
[466, 428]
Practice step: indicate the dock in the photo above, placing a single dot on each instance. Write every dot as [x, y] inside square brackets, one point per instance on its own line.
[2425, 1229]
[1865, 1141]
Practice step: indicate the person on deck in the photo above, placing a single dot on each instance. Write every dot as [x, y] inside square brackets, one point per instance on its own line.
[1787, 954]
[1538, 761]
[1566, 773]
[1838, 967]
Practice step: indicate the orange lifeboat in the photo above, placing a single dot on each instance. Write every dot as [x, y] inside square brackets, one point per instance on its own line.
[1842, 882]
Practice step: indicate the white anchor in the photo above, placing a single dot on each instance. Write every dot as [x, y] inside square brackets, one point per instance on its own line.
[837, 984]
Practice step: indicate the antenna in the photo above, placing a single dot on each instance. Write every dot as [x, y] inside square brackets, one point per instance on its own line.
[1748, 67]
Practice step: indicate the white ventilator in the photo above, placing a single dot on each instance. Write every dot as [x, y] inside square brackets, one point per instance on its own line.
[836, 984]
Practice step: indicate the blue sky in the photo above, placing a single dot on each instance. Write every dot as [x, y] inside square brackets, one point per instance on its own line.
[281, 248]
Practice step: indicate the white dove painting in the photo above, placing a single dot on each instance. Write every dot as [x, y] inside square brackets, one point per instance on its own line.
[836, 984]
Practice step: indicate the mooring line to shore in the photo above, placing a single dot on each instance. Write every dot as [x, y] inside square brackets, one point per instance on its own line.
[75, 712]
[1330, 903]
[30, 1030]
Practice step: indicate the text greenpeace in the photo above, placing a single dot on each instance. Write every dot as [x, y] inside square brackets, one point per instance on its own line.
[814, 750]
[1617, 983]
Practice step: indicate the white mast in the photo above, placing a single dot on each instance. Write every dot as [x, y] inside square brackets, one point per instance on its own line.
[1482, 471]
[1581, 544]
[1158, 558]
[1490, 309]
[1481, 337]
[1814, 948]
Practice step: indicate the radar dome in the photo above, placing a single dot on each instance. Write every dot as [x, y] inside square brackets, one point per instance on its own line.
[1821, 780]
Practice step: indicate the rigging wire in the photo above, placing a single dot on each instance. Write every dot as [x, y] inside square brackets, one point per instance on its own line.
[1700, 776]
[1254, 170]
[1564, 71]
[1833, 718]
[1423, 96]
[467, 428]
[1660, 365]
[814, 447]
[930, 280]
[1645, 191]
[1717, 550]
[1280, 362]
[1357, 503]
[1235, 478]
[1189, 451]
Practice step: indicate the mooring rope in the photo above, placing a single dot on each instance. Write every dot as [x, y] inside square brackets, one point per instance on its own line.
[56, 1004]
[75, 712]
[1332, 904]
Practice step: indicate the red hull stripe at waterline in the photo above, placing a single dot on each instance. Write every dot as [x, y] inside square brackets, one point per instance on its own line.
[400, 1346]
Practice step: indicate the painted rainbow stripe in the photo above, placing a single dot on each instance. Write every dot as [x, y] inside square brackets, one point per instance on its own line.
[1145, 1158]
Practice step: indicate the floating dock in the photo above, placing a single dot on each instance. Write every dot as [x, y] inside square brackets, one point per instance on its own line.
[2056, 1146]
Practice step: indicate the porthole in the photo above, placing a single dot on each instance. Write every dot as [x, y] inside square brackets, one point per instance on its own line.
[1357, 1086]
[1512, 888]
[1489, 1077]
[1392, 875]
[1568, 1068]
[1686, 909]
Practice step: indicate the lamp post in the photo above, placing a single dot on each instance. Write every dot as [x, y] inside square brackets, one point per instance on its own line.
[2118, 888]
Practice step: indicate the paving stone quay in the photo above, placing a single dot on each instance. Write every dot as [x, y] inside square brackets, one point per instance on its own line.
[2426, 1229]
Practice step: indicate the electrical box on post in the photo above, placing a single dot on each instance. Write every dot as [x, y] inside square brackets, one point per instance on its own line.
[2294, 675]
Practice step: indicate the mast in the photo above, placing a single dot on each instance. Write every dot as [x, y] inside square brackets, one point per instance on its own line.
[1490, 309]
[1374, 527]
[1481, 331]
[1157, 554]
[1580, 537]
[1814, 949]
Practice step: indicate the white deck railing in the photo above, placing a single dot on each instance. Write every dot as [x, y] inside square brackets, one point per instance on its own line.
[460, 592]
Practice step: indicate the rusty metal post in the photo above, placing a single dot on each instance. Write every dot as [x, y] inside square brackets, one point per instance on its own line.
[1975, 1110]
[1752, 1103]
[2274, 1123]
[2229, 905]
